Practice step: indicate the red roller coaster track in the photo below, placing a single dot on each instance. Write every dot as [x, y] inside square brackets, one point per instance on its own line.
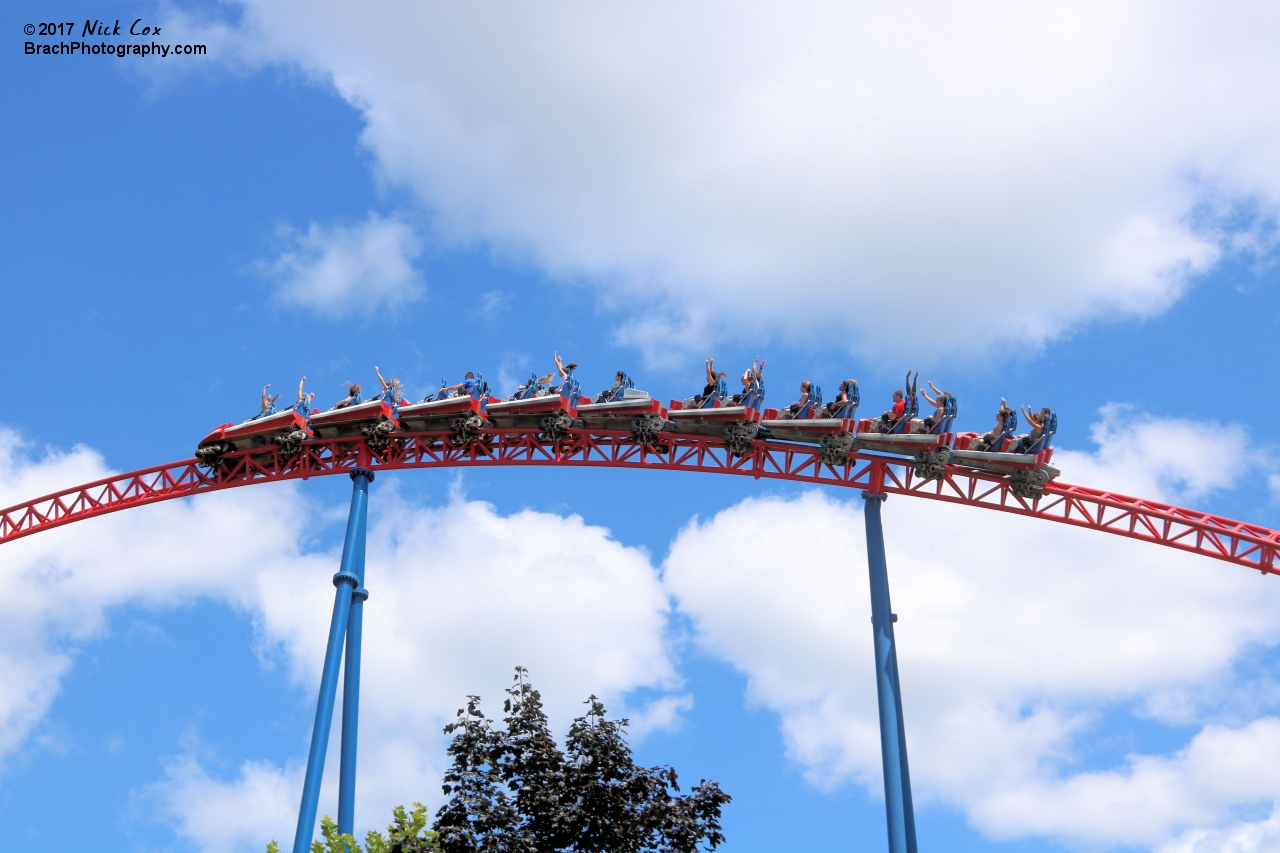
[1162, 524]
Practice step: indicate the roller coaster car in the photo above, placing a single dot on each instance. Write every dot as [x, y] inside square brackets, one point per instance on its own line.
[738, 425]
[287, 429]
[834, 436]
[373, 419]
[932, 450]
[462, 414]
[631, 410]
[1029, 468]
[553, 411]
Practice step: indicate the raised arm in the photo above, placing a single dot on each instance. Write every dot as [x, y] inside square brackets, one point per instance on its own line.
[301, 386]
[935, 388]
[930, 400]
[385, 383]
[559, 365]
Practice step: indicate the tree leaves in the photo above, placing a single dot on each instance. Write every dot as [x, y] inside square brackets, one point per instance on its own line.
[513, 790]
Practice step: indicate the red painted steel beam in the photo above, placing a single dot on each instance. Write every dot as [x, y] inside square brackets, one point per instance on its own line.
[1162, 524]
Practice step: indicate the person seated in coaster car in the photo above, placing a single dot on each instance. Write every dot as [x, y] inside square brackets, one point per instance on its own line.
[944, 411]
[532, 387]
[621, 383]
[845, 405]
[897, 418]
[1034, 441]
[711, 392]
[565, 383]
[752, 396]
[352, 398]
[465, 388]
[303, 406]
[390, 389]
[268, 404]
[1006, 423]
[810, 399]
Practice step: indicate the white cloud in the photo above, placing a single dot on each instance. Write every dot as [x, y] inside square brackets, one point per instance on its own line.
[156, 556]
[1015, 637]
[459, 595]
[723, 169]
[346, 269]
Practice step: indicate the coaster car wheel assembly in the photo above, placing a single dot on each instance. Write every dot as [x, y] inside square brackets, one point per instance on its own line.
[647, 431]
[377, 436]
[738, 438]
[834, 449]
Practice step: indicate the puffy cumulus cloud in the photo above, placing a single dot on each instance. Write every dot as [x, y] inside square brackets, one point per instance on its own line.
[70, 576]
[458, 595]
[1015, 638]
[263, 801]
[344, 269]
[1262, 836]
[729, 168]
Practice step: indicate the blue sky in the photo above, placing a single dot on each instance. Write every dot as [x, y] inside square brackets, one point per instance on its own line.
[1069, 207]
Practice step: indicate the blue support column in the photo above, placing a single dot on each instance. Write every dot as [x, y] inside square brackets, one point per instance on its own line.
[347, 582]
[351, 672]
[893, 744]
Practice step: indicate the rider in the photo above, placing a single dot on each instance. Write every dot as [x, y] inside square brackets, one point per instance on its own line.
[986, 442]
[303, 406]
[619, 382]
[352, 398]
[465, 386]
[794, 409]
[847, 387]
[753, 374]
[713, 382]
[1037, 421]
[939, 404]
[268, 403]
[390, 388]
[563, 371]
[898, 411]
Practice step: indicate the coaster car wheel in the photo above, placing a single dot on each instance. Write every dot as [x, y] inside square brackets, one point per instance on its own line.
[647, 431]
[555, 428]
[210, 456]
[290, 443]
[932, 464]
[738, 438]
[1029, 484]
[834, 449]
[377, 436]
[465, 430]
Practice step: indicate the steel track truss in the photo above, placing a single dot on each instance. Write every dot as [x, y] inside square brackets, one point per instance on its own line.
[1163, 524]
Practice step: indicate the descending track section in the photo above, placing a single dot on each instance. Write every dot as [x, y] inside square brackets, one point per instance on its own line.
[1174, 527]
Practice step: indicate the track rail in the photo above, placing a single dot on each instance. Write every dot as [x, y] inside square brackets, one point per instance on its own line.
[1162, 524]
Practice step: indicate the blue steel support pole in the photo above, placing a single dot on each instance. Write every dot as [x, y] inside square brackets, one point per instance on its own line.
[351, 671]
[893, 745]
[346, 582]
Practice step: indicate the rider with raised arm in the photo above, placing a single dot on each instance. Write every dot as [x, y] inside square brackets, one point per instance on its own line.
[1037, 421]
[390, 388]
[563, 372]
[352, 398]
[939, 404]
[750, 377]
[268, 403]
[303, 406]
[713, 382]
[986, 442]
[898, 410]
